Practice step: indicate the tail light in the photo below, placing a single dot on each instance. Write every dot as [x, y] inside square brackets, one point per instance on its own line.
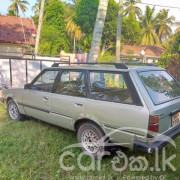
[154, 123]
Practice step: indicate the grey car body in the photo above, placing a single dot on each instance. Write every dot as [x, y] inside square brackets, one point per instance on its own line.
[126, 123]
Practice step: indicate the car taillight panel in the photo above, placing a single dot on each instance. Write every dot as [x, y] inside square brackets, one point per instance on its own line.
[154, 123]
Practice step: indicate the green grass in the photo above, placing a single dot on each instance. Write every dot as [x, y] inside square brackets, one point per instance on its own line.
[31, 150]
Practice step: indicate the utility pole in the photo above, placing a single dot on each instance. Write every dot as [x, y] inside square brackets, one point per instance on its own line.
[119, 26]
[39, 26]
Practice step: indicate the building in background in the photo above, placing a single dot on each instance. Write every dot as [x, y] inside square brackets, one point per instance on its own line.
[142, 53]
[17, 36]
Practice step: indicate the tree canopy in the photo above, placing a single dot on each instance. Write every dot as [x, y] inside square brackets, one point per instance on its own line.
[18, 5]
[53, 35]
[85, 15]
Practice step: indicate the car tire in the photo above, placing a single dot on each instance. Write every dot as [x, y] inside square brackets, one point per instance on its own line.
[13, 111]
[92, 140]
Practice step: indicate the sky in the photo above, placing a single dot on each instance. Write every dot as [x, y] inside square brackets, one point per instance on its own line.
[4, 4]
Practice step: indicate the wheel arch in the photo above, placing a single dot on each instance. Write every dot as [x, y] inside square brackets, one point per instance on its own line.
[20, 108]
[78, 123]
[9, 98]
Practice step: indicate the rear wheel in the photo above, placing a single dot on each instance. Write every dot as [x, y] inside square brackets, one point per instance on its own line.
[92, 140]
[13, 111]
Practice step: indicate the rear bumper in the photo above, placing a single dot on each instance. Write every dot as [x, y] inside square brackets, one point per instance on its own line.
[159, 143]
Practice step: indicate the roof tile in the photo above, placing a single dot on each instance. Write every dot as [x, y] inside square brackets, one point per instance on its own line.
[16, 30]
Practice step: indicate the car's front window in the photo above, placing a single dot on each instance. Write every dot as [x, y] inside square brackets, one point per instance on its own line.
[160, 86]
[45, 81]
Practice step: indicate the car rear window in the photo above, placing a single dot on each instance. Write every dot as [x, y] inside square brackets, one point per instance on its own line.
[160, 86]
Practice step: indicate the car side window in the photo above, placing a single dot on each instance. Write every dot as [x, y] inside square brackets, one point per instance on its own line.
[45, 82]
[72, 83]
[109, 87]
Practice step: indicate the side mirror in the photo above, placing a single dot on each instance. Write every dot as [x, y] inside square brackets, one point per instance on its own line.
[27, 86]
[4, 86]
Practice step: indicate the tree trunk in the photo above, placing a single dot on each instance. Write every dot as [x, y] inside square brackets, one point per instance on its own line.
[118, 38]
[74, 44]
[98, 29]
[103, 48]
[39, 26]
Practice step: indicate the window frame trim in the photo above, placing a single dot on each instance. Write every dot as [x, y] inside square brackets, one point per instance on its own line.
[135, 96]
[58, 78]
[40, 74]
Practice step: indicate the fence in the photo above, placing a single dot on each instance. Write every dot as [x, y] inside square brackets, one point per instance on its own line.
[15, 72]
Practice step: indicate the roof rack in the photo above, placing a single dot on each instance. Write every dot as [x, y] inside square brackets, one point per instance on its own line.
[117, 65]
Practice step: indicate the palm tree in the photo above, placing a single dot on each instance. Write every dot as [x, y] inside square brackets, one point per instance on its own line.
[73, 30]
[119, 26]
[148, 23]
[36, 7]
[98, 29]
[163, 28]
[39, 26]
[18, 4]
[131, 8]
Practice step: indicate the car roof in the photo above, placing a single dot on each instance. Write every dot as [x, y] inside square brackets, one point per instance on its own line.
[106, 68]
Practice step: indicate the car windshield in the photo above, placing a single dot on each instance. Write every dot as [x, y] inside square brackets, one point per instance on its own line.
[160, 86]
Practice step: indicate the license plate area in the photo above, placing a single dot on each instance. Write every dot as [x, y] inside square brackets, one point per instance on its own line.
[175, 119]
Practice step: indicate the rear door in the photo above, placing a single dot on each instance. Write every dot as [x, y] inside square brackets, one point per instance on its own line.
[36, 100]
[68, 100]
[115, 103]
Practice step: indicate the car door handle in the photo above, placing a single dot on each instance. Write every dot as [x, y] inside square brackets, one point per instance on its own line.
[79, 104]
[45, 98]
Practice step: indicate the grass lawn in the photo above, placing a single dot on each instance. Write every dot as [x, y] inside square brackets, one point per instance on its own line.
[31, 150]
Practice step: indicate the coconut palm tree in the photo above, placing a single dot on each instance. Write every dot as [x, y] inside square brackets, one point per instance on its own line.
[98, 29]
[36, 7]
[163, 27]
[118, 36]
[131, 9]
[73, 30]
[39, 26]
[18, 4]
[148, 23]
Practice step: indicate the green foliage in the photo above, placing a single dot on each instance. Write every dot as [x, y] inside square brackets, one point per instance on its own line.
[53, 35]
[85, 15]
[85, 43]
[131, 31]
[110, 28]
[11, 13]
[176, 45]
[131, 9]
[18, 5]
[172, 51]
[106, 58]
[148, 22]
[35, 19]
[164, 23]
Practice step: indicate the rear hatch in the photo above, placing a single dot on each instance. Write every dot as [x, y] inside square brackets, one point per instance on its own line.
[164, 92]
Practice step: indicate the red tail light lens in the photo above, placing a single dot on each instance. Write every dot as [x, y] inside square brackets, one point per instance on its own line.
[154, 123]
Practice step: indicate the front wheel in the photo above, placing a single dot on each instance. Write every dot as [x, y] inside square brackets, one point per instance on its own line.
[92, 140]
[13, 111]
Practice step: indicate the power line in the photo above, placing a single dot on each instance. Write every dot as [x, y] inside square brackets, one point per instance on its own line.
[171, 7]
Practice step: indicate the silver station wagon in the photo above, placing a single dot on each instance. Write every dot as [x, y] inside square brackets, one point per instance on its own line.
[132, 107]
